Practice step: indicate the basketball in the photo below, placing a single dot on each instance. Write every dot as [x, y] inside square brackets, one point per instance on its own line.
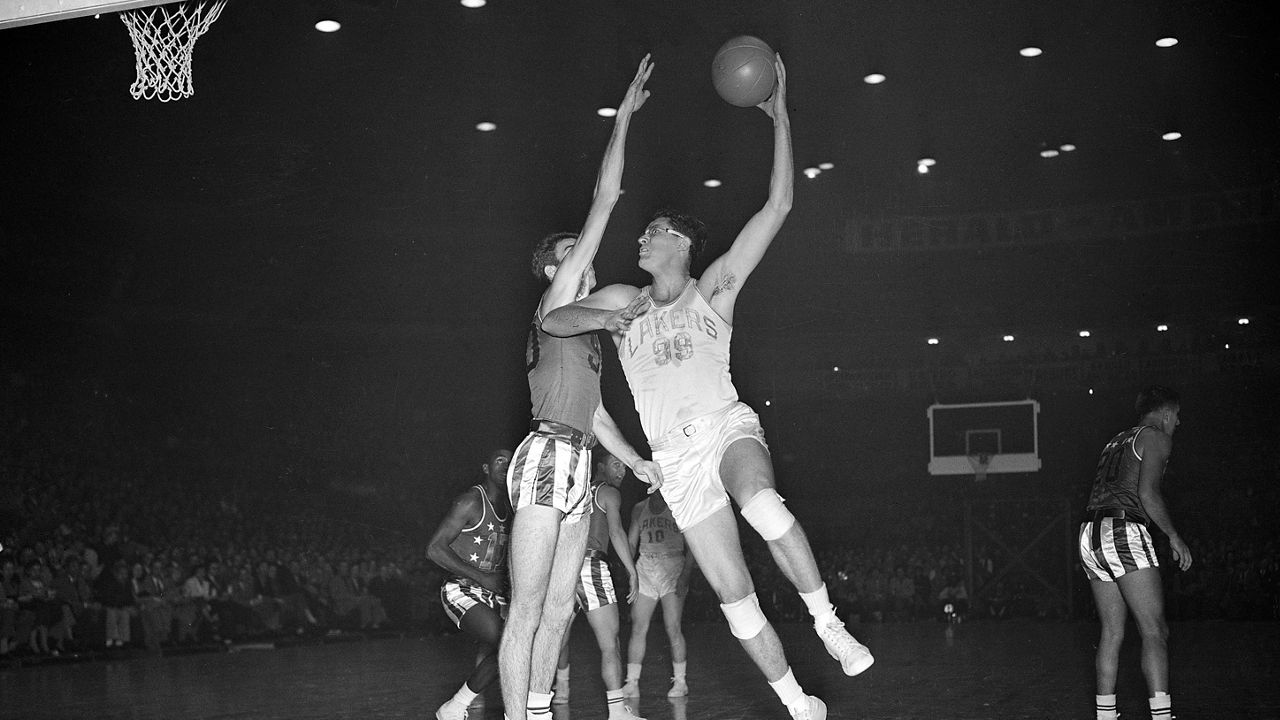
[742, 71]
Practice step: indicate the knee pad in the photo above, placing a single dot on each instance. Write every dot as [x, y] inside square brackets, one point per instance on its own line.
[744, 616]
[766, 513]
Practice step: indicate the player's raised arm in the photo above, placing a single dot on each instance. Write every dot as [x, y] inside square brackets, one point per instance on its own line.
[726, 274]
[610, 308]
[568, 276]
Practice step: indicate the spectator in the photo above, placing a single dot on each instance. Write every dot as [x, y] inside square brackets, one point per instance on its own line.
[154, 611]
[114, 590]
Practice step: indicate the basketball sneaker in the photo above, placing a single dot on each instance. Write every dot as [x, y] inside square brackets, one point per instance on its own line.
[854, 657]
[813, 709]
[631, 688]
[679, 688]
[451, 711]
[623, 711]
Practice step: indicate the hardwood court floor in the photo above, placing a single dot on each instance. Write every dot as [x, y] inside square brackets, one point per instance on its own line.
[993, 670]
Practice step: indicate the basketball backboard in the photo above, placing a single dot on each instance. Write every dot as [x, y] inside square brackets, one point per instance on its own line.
[1005, 434]
[14, 13]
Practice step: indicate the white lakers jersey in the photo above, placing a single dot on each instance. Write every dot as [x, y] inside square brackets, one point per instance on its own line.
[676, 358]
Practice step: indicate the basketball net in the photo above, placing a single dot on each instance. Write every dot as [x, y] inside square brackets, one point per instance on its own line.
[980, 463]
[163, 38]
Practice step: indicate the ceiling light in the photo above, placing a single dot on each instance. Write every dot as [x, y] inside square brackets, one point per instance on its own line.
[874, 79]
[1008, 338]
[711, 183]
[473, 3]
[1048, 153]
[1167, 41]
[922, 169]
[486, 127]
[607, 112]
[1084, 333]
[825, 166]
[1030, 51]
[1171, 135]
[927, 162]
[1162, 328]
[1067, 147]
[811, 172]
[328, 26]
[1242, 321]
[933, 341]
[835, 369]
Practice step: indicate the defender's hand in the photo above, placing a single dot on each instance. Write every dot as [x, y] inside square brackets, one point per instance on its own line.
[649, 472]
[636, 94]
[620, 320]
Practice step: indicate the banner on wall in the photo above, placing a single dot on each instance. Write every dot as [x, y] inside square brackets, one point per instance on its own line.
[1243, 208]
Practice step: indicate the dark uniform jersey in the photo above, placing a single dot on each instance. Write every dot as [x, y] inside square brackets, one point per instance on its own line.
[1115, 485]
[484, 545]
[564, 377]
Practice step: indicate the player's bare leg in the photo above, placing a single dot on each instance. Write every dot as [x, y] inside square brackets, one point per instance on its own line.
[717, 548]
[558, 606]
[747, 473]
[535, 530]
[672, 610]
[1143, 594]
[1112, 612]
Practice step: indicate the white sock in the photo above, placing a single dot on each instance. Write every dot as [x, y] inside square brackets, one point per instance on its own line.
[788, 690]
[465, 695]
[819, 604]
[1161, 706]
[538, 706]
[1105, 706]
[613, 699]
[633, 672]
[677, 670]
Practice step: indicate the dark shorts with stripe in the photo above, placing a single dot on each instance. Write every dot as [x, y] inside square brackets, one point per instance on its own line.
[550, 471]
[595, 584]
[1111, 547]
[458, 595]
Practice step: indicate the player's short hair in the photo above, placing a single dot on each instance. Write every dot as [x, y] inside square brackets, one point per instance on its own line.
[1155, 397]
[690, 226]
[544, 253]
[601, 455]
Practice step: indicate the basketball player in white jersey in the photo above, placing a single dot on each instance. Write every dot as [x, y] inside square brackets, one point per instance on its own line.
[710, 446]
[663, 564]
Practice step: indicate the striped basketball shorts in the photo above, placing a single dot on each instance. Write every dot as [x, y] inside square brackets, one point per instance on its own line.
[458, 595]
[595, 584]
[659, 574]
[1111, 547]
[551, 472]
[690, 457]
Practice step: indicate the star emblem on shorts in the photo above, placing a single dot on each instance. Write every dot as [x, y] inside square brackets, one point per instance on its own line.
[474, 557]
[490, 527]
[477, 539]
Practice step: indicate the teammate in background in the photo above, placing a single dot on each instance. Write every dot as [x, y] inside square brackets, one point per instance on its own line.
[471, 545]
[664, 565]
[596, 594]
[710, 446]
[1117, 552]
[548, 477]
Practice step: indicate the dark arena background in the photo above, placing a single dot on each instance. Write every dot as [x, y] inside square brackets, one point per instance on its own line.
[279, 324]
